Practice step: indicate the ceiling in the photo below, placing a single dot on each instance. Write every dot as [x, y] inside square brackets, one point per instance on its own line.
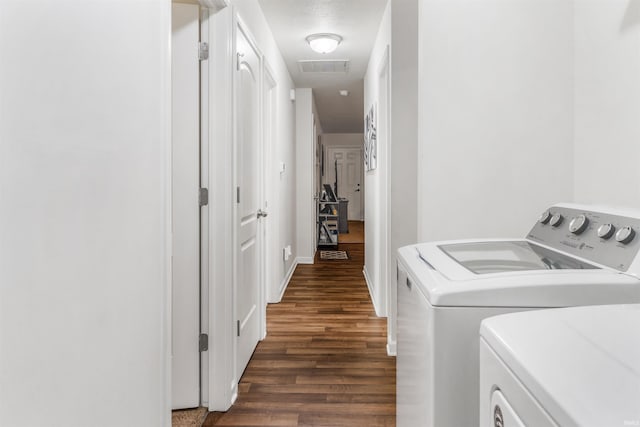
[357, 22]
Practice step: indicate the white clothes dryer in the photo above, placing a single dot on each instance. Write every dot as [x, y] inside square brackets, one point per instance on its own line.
[573, 256]
[570, 367]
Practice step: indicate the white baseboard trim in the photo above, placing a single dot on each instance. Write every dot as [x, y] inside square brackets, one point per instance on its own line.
[285, 281]
[391, 348]
[234, 396]
[371, 293]
[304, 260]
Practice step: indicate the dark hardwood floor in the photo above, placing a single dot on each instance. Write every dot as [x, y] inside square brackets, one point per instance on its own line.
[324, 360]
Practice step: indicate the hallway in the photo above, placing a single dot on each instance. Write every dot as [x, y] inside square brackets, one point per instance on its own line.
[324, 361]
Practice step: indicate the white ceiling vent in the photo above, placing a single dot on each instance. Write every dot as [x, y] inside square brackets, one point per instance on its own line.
[322, 66]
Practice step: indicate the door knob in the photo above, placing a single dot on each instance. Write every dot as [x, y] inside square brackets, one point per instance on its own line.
[261, 213]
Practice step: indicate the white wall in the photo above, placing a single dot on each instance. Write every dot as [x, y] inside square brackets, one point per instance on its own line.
[342, 139]
[305, 156]
[392, 188]
[373, 184]
[404, 144]
[496, 119]
[607, 102]
[85, 213]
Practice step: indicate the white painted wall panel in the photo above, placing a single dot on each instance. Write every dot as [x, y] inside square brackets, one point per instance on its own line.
[495, 115]
[305, 204]
[607, 102]
[84, 213]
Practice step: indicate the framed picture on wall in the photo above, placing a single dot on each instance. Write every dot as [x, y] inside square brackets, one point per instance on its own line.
[321, 157]
[370, 140]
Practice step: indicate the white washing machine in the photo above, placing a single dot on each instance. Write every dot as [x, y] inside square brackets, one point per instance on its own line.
[570, 367]
[574, 255]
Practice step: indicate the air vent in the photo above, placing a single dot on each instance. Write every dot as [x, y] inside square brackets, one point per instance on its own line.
[330, 66]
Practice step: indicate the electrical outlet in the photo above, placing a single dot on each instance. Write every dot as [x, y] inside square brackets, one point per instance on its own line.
[286, 252]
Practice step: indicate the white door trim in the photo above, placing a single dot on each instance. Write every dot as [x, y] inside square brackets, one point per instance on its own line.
[386, 262]
[166, 282]
[270, 226]
[222, 388]
[204, 210]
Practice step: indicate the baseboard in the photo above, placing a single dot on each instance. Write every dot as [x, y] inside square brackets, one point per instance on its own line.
[304, 260]
[376, 305]
[285, 281]
[391, 349]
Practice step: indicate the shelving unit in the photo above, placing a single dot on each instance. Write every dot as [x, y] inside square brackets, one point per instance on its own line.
[327, 223]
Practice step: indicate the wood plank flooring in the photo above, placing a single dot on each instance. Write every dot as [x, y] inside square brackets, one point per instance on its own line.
[324, 360]
[355, 234]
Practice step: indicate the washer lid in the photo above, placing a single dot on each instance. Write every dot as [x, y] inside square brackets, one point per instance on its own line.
[446, 282]
[581, 364]
[468, 259]
[506, 256]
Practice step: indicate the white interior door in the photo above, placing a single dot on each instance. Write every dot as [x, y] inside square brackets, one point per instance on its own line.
[248, 254]
[349, 169]
[185, 209]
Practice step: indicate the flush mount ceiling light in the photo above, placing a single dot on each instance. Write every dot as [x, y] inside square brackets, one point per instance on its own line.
[324, 43]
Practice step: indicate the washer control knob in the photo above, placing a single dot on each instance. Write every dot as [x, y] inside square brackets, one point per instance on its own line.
[578, 224]
[545, 217]
[625, 235]
[556, 220]
[606, 231]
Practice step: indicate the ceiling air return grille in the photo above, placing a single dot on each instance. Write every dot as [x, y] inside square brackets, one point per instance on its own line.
[322, 66]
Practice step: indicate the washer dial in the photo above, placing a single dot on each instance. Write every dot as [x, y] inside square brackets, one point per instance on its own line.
[578, 224]
[545, 217]
[606, 231]
[625, 235]
[556, 220]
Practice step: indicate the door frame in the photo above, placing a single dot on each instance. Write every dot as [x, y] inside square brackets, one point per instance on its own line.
[362, 189]
[204, 210]
[222, 389]
[269, 160]
[387, 257]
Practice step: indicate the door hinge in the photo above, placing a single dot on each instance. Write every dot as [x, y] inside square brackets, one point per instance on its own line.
[203, 198]
[238, 56]
[204, 342]
[238, 327]
[203, 51]
[237, 194]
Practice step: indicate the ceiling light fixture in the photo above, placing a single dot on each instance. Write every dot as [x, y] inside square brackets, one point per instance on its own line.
[324, 42]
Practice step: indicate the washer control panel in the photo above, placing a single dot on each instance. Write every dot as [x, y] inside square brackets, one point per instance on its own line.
[601, 237]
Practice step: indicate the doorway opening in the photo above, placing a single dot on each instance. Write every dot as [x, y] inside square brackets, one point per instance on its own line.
[341, 168]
